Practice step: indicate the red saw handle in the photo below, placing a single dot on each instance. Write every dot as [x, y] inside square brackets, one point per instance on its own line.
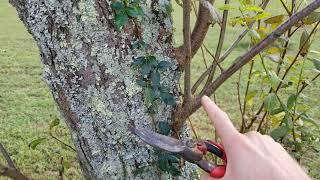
[216, 149]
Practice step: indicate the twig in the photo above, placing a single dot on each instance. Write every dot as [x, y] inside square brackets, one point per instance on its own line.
[65, 144]
[7, 157]
[11, 171]
[285, 7]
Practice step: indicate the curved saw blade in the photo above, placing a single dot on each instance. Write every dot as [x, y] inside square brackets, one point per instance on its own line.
[158, 140]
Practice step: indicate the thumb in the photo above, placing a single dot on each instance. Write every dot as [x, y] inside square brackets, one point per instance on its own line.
[220, 120]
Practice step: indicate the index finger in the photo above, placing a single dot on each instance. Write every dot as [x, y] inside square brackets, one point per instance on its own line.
[220, 120]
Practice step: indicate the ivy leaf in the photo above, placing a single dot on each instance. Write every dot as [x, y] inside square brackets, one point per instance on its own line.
[33, 144]
[291, 101]
[138, 61]
[279, 132]
[120, 20]
[151, 60]
[139, 44]
[167, 98]
[146, 69]
[155, 79]
[118, 5]
[168, 163]
[134, 11]
[141, 83]
[270, 102]
[163, 65]
[148, 96]
[54, 123]
[164, 128]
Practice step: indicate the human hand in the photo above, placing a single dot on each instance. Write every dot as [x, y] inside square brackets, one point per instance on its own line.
[251, 156]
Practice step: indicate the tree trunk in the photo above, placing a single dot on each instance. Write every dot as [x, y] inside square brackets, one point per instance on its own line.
[87, 65]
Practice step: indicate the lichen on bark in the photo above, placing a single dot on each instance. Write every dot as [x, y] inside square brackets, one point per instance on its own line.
[87, 67]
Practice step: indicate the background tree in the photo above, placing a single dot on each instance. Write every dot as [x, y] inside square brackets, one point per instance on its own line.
[111, 63]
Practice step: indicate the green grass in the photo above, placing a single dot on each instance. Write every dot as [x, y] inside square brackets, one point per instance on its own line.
[27, 108]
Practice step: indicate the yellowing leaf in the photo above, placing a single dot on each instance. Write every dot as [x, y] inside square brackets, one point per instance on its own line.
[226, 7]
[253, 8]
[275, 19]
[261, 16]
[312, 18]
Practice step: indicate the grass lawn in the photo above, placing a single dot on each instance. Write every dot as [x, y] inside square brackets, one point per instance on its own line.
[27, 108]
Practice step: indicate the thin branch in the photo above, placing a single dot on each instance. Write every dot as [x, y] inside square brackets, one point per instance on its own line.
[11, 171]
[241, 61]
[7, 157]
[187, 49]
[285, 7]
[198, 34]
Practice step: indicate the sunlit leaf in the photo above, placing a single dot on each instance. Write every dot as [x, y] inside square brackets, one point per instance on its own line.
[54, 123]
[227, 7]
[253, 8]
[33, 144]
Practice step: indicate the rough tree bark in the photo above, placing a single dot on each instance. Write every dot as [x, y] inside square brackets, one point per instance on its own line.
[87, 67]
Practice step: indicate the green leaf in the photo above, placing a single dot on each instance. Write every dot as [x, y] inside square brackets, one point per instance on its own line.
[163, 65]
[270, 102]
[286, 84]
[274, 79]
[276, 111]
[261, 16]
[316, 63]
[279, 132]
[167, 98]
[291, 101]
[155, 79]
[304, 43]
[120, 20]
[164, 128]
[33, 144]
[118, 5]
[54, 123]
[306, 118]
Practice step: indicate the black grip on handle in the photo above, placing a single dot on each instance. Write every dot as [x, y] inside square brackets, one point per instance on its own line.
[213, 148]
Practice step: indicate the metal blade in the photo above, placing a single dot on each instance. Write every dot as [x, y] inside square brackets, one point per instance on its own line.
[158, 140]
